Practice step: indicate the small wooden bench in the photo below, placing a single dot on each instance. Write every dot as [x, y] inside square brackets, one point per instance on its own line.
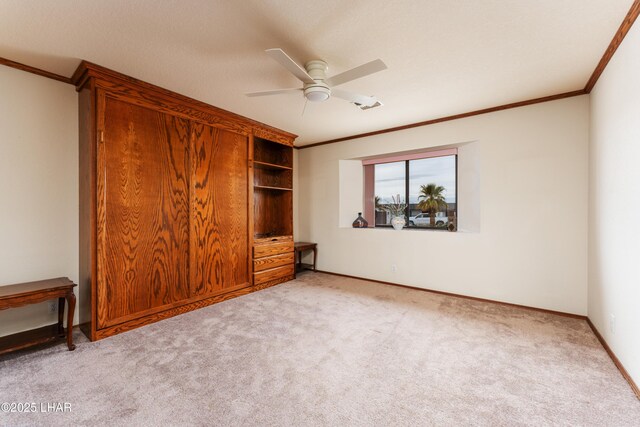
[299, 248]
[32, 293]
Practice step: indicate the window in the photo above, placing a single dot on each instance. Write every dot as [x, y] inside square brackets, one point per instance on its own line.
[420, 187]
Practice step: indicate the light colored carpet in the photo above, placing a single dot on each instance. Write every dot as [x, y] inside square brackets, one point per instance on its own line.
[326, 350]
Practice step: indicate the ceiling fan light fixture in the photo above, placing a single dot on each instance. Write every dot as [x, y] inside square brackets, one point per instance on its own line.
[317, 87]
[317, 93]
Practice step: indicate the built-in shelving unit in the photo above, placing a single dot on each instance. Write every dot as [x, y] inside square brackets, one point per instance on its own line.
[273, 259]
[273, 186]
[194, 166]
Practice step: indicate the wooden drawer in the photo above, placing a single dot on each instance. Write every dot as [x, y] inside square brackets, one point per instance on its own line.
[272, 274]
[273, 239]
[270, 249]
[266, 263]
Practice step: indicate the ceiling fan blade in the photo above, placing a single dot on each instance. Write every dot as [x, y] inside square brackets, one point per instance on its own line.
[356, 73]
[368, 101]
[288, 63]
[272, 92]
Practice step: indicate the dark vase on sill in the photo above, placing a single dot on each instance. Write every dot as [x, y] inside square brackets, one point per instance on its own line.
[360, 222]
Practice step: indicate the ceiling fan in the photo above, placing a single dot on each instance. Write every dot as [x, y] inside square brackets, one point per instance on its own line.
[317, 87]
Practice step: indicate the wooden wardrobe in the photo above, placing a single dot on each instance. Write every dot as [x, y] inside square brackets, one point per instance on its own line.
[176, 213]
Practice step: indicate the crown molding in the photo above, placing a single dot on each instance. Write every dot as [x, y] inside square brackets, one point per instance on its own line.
[34, 70]
[624, 28]
[449, 118]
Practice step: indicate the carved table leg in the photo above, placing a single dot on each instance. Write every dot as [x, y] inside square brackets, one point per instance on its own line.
[315, 257]
[71, 307]
[60, 316]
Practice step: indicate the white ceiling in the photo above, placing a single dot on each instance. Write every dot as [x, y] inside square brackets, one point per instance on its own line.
[444, 57]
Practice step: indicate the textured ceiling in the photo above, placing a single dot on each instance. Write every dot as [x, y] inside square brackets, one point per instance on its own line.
[444, 57]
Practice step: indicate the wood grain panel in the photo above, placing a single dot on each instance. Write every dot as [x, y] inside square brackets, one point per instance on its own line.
[272, 274]
[266, 263]
[220, 205]
[146, 210]
[272, 249]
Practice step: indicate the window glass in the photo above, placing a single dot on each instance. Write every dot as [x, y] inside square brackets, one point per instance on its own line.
[389, 183]
[432, 190]
[429, 189]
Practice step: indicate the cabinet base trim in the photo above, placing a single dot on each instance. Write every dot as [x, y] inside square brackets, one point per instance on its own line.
[273, 282]
[150, 312]
[99, 334]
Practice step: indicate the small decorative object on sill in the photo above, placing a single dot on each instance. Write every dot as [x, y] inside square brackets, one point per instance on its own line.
[360, 222]
[396, 209]
[398, 222]
[453, 223]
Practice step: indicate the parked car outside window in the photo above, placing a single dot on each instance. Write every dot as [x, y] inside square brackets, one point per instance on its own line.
[423, 220]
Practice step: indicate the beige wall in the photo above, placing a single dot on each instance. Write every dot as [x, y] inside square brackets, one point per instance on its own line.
[614, 204]
[38, 187]
[531, 247]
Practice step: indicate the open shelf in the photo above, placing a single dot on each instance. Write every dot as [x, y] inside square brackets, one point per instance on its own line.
[264, 165]
[273, 178]
[272, 153]
[266, 187]
[273, 212]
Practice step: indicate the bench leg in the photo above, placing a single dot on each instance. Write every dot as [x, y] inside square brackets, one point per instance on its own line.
[71, 307]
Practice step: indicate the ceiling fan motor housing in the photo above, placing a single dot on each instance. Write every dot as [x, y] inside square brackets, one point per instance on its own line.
[318, 91]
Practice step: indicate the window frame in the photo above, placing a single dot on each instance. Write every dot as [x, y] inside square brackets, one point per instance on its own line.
[370, 188]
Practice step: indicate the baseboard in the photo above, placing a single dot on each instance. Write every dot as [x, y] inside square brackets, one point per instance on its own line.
[611, 354]
[450, 294]
[615, 359]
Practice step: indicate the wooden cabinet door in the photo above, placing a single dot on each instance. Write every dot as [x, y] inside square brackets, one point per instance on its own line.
[142, 210]
[220, 211]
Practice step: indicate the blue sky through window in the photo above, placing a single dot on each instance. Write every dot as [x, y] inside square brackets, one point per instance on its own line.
[390, 178]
